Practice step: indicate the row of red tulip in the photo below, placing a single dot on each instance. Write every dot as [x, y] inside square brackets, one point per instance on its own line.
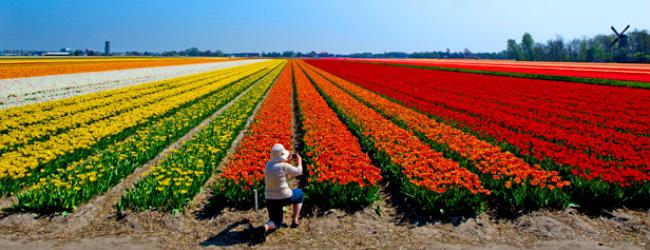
[499, 170]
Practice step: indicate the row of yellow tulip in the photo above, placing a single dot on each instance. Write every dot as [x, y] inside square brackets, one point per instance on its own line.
[79, 182]
[110, 106]
[30, 114]
[79, 142]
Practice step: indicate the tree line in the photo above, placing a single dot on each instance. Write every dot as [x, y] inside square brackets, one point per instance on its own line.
[587, 49]
[465, 54]
[192, 52]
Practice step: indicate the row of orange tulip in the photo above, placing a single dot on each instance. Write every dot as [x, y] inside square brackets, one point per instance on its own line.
[244, 171]
[27, 68]
[338, 167]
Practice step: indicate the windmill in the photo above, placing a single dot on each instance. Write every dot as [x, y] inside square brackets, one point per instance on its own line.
[621, 38]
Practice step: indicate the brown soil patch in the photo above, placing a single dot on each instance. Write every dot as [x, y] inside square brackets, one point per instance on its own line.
[382, 225]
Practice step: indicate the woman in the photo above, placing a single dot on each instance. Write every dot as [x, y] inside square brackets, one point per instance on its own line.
[278, 193]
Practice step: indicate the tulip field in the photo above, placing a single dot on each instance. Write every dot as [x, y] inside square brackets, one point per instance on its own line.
[18, 67]
[637, 75]
[595, 137]
[447, 137]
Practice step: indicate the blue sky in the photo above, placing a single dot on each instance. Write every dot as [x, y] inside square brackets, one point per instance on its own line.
[336, 26]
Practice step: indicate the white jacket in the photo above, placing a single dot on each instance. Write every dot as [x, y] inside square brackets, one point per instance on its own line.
[275, 174]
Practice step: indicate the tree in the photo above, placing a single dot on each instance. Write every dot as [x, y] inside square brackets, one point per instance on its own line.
[513, 49]
[583, 50]
[572, 50]
[170, 53]
[527, 43]
[133, 53]
[602, 51]
[556, 50]
[192, 52]
[539, 52]
[591, 54]
[638, 41]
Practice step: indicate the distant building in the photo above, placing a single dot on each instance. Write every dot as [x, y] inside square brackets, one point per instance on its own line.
[107, 48]
[57, 54]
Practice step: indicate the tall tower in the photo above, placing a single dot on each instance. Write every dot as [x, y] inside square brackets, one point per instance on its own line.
[107, 48]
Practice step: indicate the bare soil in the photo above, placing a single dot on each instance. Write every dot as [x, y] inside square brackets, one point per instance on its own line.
[385, 224]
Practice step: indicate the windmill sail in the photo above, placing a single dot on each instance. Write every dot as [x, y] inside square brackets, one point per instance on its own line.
[621, 38]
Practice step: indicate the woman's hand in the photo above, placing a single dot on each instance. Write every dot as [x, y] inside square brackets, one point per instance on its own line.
[295, 156]
[298, 159]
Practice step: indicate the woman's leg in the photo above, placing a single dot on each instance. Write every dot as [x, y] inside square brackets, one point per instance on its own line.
[269, 226]
[296, 212]
[275, 215]
[297, 198]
